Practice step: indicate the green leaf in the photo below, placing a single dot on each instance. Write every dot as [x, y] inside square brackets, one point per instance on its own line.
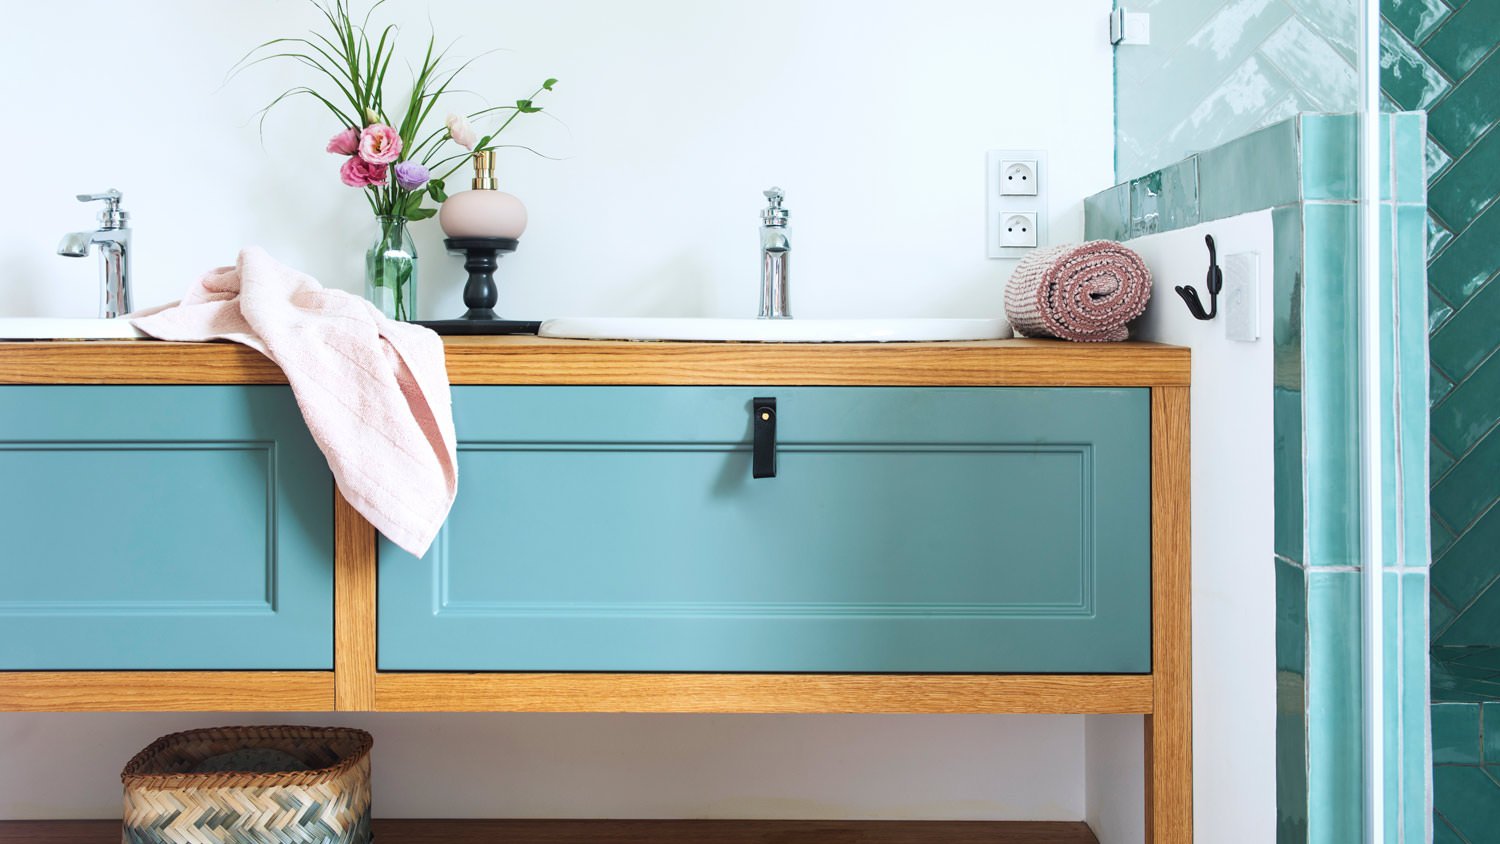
[525, 107]
[421, 213]
[547, 86]
[435, 190]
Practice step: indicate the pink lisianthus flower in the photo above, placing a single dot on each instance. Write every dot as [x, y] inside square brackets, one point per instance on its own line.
[345, 142]
[359, 173]
[461, 132]
[379, 144]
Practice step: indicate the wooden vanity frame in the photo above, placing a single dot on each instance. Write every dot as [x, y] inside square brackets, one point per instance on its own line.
[1164, 696]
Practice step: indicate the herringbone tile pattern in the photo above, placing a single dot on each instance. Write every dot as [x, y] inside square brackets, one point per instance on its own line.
[1441, 56]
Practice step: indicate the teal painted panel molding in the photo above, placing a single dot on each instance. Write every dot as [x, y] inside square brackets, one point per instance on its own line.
[163, 528]
[945, 530]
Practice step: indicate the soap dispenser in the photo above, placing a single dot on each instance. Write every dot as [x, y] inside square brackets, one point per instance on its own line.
[485, 211]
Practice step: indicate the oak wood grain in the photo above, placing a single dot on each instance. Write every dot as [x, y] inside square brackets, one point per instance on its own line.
[354, 584]
[1169, 727]
[532, 360]
[635, 832]
[166, 691]
[764, 693]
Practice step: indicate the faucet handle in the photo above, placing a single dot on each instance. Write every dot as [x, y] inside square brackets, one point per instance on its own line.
[111, 217]
[774, 214]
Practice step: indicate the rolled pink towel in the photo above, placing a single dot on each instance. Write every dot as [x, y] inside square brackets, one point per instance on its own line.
[1079, 291]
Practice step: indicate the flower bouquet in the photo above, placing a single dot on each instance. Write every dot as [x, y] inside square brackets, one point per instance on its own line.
[391, 159]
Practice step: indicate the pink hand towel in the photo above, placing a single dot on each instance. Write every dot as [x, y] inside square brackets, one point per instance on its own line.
[1085, 292]
[374, 392]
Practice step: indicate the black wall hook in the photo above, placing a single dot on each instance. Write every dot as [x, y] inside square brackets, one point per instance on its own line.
[1214, 282]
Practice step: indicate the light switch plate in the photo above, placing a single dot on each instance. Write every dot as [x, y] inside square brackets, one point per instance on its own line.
[1240, 298]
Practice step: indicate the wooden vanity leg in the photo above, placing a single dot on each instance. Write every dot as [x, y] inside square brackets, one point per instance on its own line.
[353, 608]
[1169, 729]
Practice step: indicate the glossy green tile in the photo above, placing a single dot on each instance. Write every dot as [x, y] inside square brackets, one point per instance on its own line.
[1478, 624]
[1409, 156]
[1468, 799]
[1412, 391]
[1469, 186]
[1178, 202]
[1286, 291]
[1145, 211]
[1257, 171]
[1469, 487]
[1437, 237]
[1291, 763]
[1287, 472]
[1438, 159]
[1442, 833]
[1470, 336]
[1389, 384]
[1405, 74]
[1469, 566]
[1469, 110]
[1106, 215]
[1465, 38]
[1325, 80]
[1455, 734]
[1291, 618]
[1438, 310]
[1333, 706]
[1469, 261]
[1439, 462]
[1469, 412]
[1491, 733]
[1416, 19]
[1329, 156]
[1415, 758]
[1335, 23]
[1330, 365]
[1286, 397]
[1442, 538]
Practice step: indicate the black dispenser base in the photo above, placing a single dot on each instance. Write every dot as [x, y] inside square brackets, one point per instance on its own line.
[482, 256]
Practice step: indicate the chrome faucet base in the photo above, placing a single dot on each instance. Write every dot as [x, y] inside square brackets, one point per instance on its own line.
[775, 255]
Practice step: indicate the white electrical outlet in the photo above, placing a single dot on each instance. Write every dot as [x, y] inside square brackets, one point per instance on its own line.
[1240, 297]
[1018, 230]
[1015, 202]
[1018, 178]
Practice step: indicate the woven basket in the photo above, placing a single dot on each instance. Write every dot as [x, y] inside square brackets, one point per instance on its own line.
[177, 791]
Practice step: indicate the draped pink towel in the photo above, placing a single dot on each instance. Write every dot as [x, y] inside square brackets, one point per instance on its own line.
[1083, 292]
[374, 392]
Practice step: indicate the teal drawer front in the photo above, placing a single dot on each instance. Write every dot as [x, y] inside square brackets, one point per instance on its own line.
[907, 530]
[162, 528]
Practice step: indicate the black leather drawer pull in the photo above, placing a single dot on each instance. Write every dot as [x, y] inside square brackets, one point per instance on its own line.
[763, 462]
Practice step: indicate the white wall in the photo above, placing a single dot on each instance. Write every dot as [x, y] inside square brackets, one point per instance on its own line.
[1234, 601]
[873, 115]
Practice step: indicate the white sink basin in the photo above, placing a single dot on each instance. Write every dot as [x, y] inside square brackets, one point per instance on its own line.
[776, 330]
[50, 328]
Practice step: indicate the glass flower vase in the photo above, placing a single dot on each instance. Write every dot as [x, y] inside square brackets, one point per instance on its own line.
[391, 270]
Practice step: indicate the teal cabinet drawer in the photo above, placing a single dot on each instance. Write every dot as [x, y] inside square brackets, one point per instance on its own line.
[907, 530]
[162, 528]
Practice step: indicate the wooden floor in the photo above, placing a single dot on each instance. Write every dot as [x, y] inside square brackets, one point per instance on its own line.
[635, 832]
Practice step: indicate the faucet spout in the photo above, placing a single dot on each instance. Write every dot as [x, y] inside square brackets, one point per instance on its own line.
[75, 244]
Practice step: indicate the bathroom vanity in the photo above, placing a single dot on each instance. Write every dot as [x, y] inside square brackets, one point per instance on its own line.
[984, 527]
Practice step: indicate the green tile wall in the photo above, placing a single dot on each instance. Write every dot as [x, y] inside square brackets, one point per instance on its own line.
[1446, 56]
[1303, 169]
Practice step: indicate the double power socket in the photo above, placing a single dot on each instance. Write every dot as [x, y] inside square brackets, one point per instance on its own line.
[1015, 205]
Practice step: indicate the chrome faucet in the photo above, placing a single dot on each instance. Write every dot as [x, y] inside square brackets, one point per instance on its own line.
[113, 240]
[775, 251]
